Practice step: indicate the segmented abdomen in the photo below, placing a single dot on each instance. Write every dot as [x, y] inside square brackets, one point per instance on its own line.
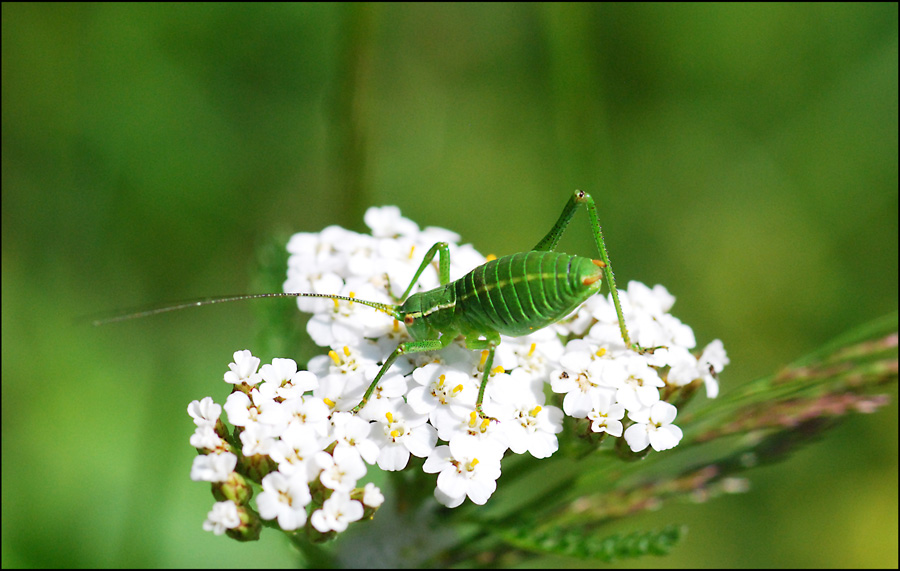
[515, 295]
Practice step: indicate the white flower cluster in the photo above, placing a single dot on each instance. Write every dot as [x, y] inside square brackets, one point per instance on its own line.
[425, 404]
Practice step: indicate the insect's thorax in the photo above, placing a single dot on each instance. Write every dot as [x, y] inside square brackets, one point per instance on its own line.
[428, 314]
[513, 295]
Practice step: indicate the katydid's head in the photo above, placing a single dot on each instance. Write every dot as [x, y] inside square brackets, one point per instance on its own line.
[422, 315]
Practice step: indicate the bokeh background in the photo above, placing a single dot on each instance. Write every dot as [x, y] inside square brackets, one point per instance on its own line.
[745, 156]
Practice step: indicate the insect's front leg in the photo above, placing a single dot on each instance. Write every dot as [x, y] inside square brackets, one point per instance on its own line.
[443, 266]
[408, 347]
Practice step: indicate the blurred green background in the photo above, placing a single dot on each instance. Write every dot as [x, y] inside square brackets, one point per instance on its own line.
[745, 156]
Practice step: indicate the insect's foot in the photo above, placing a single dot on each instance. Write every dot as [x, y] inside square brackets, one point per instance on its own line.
[647, 350]
[485, 418]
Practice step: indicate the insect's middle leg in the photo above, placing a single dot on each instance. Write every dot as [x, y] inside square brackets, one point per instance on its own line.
[408, 347]
[489, 344]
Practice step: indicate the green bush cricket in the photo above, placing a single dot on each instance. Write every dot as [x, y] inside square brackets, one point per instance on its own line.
[512, 295]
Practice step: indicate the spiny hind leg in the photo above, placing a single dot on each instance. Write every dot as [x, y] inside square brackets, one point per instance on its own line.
[549, 242]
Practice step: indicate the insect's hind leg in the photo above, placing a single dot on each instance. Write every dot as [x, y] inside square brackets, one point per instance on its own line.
[584, 197]
[549, 242]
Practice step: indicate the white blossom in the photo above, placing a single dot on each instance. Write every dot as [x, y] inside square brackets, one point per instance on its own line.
[606, 415]
[285, 498]
[205, 412]
[400, 433]
[213, 467]
[653, 426]
[341, 469]
[467, 467]
[337, 513]
[243, 369]
[372, 496]
[224, 515]
[529, 425]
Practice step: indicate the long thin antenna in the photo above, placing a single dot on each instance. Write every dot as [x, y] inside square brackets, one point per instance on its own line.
[389, 309]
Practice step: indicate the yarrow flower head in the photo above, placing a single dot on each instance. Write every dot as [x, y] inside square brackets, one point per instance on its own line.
[305, 439]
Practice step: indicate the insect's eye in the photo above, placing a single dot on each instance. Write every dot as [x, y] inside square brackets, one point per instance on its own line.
[409, 320]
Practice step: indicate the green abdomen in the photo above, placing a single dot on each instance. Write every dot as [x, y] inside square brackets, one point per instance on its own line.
[518, 294]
